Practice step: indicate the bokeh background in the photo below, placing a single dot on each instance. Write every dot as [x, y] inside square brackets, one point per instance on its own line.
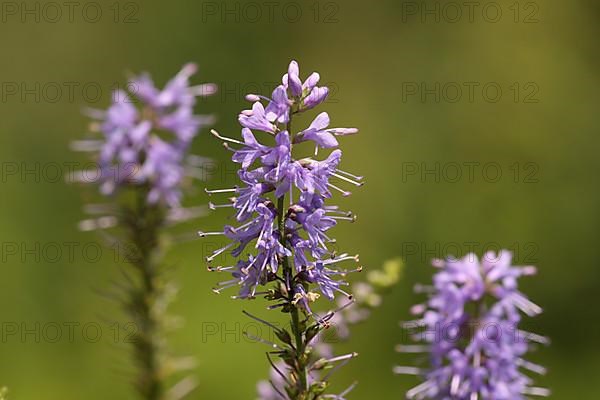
[383, 60]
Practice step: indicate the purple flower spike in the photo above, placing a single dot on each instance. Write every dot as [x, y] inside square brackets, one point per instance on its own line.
[142, 149]
[285, 225]
[469, 328]
[280, 175]
[131, 153]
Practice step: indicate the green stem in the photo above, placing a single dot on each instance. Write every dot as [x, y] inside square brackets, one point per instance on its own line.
[144, 225]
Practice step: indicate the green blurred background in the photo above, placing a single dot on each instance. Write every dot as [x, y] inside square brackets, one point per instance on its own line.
[376, 56]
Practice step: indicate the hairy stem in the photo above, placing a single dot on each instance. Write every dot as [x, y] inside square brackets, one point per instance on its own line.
[144, 223]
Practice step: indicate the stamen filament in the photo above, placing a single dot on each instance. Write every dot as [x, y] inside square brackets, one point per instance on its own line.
[217, 135]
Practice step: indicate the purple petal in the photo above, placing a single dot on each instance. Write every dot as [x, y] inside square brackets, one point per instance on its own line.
[316, 97]
[294, 82]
